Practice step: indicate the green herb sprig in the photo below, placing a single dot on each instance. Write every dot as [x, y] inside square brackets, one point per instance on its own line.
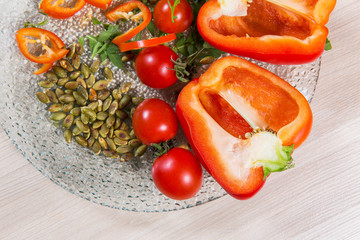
[44, 22]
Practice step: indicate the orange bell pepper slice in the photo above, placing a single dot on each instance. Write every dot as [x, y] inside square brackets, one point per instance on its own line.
[51, 46]
[103, 4]
[146, 43]
[224, 115]
[44, 68]
[124, 11]
[61, 9]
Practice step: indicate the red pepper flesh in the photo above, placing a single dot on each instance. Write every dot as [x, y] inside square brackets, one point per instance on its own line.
[102, 4]
[60, 9]
[228, 101]
[275, 31]
[124, 47]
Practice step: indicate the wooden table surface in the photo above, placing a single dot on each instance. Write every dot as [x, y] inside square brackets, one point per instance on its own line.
[318, 199]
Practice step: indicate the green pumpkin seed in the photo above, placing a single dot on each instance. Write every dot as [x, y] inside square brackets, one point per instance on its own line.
[94, 133]
[85, 71]
[68, 135]
[97, 124]
[72, 85]
[59, 92]
[82, 127]
[110, 143]
[81, 82]
[90, 142]
[75, 111]
[76, 61]
[126, 157]
[68, 121]
[121, 114]
[125, 127]
[63, 81]
[137, 100]
[120, 142]
[117, 123]
[52, 96]
[85, 118]
[103, 143]
[111, 132]
[71, 52]
[110, 154]
[60, 72]
[102, 115]
[130, 56]
[117, 94]
[107, 103]
[65, 64]
[104, 130]
[57, 107]
[90, 81]
[122, 134]
[69, 91]
[125, 100]
[132, 134]
[113, 107]
[103, 94]
[95, 66]
[66, 98]
[81, 140]
[123, 149]
[89, 112]
[76, 131]
[79, 49]
[46, 84]
[74, 75]
[110, 121]
[125, 87]
[140, 151]
[96, 148]
[108, 73]
[87, 135]
[51, 76]
[100, 104]
[68, 106]
[57, 116]
[83, 92]
[93, 106]
[132, 111]
[100, 85]
[134, 143]
[79, 98]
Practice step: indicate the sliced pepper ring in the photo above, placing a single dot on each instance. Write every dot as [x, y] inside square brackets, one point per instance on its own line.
[59, 9]
[231, 93]
[102, 4]
[124, 47]
[123, 12]
[52, 46]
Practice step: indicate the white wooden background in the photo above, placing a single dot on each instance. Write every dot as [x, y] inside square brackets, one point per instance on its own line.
[318, 199]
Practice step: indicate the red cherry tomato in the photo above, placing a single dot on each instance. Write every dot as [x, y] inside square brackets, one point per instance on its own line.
[154, 67]
[177, 174]
[182, 17]
[154, 121]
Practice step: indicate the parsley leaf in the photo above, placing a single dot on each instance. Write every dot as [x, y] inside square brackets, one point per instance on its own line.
[328, 45]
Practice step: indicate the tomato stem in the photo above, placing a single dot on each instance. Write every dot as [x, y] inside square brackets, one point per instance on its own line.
[172, 7]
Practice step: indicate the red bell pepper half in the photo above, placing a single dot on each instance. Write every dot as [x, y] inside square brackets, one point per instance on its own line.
[275, 31]
[243, 122]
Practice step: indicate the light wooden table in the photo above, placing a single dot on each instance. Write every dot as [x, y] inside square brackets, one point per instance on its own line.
[318, 199]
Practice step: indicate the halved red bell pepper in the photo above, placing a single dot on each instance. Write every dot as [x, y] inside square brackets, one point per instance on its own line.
[124, 11]
[146, 43]
[39, 45]
[275, 31]
[60, 8]
[103, 4]
[243, 122]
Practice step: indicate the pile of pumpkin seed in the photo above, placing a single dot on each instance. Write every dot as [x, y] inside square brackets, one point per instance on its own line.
[88, 111]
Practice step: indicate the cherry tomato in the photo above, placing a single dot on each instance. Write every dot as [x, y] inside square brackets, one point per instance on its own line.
[182, 17]
[154, 121]
[177, 174]
[154, 67]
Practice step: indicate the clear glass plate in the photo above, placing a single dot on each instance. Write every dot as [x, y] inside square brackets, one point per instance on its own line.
[109, 182]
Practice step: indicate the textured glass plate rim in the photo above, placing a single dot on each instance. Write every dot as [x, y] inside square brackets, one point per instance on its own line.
[104, 204]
